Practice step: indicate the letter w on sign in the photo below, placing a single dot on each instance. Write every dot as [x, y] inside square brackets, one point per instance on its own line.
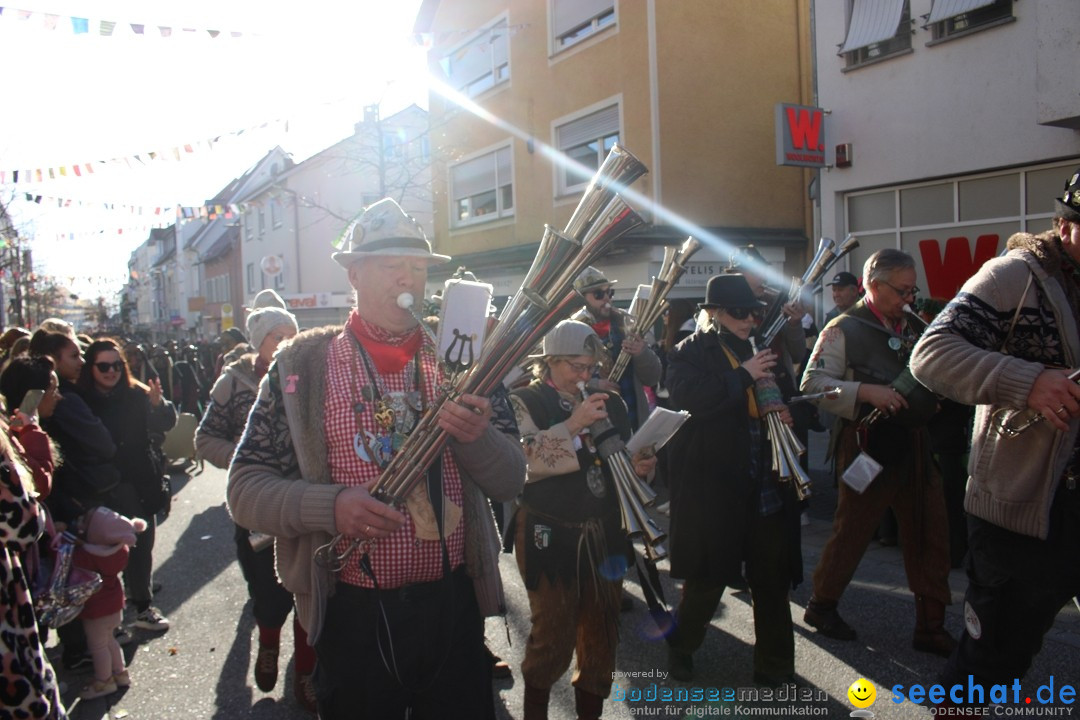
[945, 275]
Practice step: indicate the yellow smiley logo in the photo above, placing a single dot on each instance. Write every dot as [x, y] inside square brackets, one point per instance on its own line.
[862, 694]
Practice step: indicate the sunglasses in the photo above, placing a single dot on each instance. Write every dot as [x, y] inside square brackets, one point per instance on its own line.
[603, 294]
[739, 313]
[104, 367]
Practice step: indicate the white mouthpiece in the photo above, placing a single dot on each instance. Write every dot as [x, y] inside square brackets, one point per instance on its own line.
[405, 300]
[581, 387]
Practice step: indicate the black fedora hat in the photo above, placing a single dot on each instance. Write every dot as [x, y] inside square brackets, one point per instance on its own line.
[729, 291]
[1068, 204]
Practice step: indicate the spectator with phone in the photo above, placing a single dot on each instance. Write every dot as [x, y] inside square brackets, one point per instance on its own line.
[29, 386]
[87, 475]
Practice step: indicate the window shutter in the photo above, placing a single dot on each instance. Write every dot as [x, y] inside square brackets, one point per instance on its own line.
[945, 9]
[502, 163]
[589, 128]
[470, 62]
[474, 176]
[500, 44]
[568, 14]
[872, 21]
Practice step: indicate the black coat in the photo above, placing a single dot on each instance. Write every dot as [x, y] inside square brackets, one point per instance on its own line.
[714, 497]
[86, 475]
[127, 414]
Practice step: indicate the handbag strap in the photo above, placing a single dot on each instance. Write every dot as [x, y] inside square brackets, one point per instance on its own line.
[1016, 315]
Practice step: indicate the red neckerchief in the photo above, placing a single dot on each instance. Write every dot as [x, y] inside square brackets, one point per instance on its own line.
[390, 352]
[897, 327]
[602, 328]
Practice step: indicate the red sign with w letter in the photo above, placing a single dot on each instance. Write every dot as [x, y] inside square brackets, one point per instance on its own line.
[800, 135]
[945, 274]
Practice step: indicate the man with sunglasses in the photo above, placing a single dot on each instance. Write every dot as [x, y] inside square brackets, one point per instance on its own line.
[883, 413]
[615, 329]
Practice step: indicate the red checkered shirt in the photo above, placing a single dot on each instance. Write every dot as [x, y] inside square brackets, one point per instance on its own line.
[401, 558]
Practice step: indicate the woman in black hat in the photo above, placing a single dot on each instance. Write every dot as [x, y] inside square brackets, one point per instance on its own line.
[727, 506]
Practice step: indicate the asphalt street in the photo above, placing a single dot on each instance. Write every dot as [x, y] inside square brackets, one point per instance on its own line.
[202, 667]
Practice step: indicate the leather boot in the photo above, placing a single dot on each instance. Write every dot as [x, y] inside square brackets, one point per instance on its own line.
[822, 614]
[588, 706]
[536, 703]
[930, 634]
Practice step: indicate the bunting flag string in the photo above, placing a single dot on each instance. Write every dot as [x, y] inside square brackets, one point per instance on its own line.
[81, 169]
[106, 28]
[182, 213]
[131, 208]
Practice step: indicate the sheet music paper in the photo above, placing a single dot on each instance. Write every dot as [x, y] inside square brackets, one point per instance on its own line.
[657, 430]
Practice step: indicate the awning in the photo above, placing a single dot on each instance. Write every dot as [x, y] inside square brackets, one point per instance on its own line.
[872, 21]
[945, 9]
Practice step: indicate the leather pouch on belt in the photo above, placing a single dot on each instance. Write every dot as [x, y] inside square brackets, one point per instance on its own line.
[423, 514]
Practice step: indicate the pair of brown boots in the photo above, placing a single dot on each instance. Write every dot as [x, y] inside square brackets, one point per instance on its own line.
[588, 706]
[930, 634]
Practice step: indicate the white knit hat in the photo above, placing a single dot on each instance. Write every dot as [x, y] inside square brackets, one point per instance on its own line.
[268, 298]
[261, 321]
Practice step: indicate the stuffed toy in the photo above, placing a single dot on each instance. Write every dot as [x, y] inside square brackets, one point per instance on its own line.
[107, 531]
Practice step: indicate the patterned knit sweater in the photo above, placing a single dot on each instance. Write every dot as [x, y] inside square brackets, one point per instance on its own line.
[961, 357]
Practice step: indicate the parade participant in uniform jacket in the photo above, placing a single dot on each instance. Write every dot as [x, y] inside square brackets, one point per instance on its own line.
[402, 631]
[612, 326]
[864, 352]
[570, 545]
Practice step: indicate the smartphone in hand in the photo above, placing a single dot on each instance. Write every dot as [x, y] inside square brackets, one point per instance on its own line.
[31, 401]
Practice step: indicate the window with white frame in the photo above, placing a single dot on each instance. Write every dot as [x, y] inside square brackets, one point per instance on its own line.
[482, 188]
[482, 63]
[251, 279]
[249, 227]
[586, 141]
[876, 29]
[393, 142]
[574, 20]
[262, 221]
[950, 18]
[275, 214]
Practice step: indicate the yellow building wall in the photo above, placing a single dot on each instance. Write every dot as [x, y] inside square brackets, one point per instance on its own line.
[721, 68]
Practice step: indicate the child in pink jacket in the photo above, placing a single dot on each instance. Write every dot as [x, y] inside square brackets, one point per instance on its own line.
[107, 537]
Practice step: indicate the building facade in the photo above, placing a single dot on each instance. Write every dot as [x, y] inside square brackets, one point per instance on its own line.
[294, 220]
[688, 87]
[956, 123]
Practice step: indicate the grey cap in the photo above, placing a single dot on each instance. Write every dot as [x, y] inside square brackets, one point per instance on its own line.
[570, 337]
